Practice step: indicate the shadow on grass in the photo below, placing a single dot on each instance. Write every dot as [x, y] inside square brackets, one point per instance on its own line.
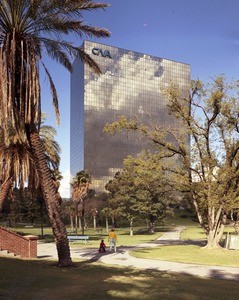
[169, 242]
[28, 280]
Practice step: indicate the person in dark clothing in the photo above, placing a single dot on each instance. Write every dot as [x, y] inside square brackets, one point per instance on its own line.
[102, 247]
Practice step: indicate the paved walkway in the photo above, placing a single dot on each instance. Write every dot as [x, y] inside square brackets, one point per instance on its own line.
[123, 258]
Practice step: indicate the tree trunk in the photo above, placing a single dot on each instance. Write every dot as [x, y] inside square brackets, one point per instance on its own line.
[107, 224]
[131, 228]
[236, 223]
[76, 224]
[71, 219]
[52, 200]
[83, 218]
[151, 227]
[216, 220]
[212, 241]
[5, 188]
[80, 222]
[236, 227]
[214, 235]
[113, 221]
[94, 217]
[76, 218]
[42, 220]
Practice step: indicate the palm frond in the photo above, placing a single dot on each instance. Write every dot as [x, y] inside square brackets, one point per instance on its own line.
[54, 94]
[59, 51]
[86, 58]
[27, 29]
[91, 31]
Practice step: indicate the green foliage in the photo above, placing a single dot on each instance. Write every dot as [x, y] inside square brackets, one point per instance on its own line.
[141, 190]
[81, 177]
[80, 185]
[24, 207]
[206, 170]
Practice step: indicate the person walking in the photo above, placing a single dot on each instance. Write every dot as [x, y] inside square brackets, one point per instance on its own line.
[112, 239]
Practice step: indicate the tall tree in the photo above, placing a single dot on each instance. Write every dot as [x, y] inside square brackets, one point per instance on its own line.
[28, 29]
[106, 213]
[141, 190]
[152, 187]
[17, 167]
[208, 171]
[17, 163]
[80, 188]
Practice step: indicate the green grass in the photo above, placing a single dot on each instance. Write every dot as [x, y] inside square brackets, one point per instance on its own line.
[192, 251]
[182, 218]
[30, 280]
[191, 254]
[193, 232]
[32, 230]
[140, 235]
[24, 279]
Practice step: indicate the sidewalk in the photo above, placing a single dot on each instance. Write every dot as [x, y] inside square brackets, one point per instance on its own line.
[123, 258]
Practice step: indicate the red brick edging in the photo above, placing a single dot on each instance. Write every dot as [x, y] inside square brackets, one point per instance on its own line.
[24, 246]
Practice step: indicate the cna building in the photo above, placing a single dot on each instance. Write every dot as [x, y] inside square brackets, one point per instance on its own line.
[130, 85]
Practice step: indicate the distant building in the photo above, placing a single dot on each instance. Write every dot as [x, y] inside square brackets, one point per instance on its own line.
[130, 85]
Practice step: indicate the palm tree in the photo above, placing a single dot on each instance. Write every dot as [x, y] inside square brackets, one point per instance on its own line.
[106, 211]
[80, 188]
[27, 29]
[17, 166]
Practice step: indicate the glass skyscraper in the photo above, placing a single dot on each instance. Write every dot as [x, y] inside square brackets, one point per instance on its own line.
[130, 85]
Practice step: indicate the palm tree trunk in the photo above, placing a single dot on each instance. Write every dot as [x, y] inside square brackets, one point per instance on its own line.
[94, 218]
[76, 218]
[52, 200]
[6, 186]
[107, 224]
[80, 222]
[83, 219]
[71, 219]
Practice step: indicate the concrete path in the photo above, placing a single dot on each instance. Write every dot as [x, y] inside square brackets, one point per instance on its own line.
[123, 258]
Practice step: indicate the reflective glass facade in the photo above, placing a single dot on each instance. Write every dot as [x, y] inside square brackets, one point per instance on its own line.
[131, 85]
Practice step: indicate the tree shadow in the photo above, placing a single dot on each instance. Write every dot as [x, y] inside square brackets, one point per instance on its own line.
[169, 242]
[99, 281]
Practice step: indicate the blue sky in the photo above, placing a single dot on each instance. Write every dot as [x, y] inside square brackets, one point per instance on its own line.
[204, 34]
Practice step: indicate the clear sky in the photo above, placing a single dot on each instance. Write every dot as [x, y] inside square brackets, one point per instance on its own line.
[202, 33]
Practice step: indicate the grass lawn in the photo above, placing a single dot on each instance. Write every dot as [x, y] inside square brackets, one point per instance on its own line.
[190, 252]
[30, 280]
[141, 235]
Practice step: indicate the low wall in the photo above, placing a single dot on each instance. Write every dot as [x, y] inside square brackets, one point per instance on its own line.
[24, 246]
